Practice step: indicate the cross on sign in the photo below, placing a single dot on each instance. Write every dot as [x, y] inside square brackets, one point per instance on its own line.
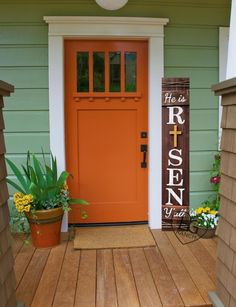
[175, 134]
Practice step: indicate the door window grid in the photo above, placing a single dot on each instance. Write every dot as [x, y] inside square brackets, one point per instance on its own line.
[130, 71]
[113, 72]
[83, 72]
[99, 71]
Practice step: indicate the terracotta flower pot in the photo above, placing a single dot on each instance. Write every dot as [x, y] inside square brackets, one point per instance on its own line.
[205, 233]
[45, 226]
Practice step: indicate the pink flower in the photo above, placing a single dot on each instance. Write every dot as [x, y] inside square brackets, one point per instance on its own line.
[215, 179]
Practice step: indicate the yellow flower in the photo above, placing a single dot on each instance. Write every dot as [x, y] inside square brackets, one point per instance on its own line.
[22, 201]
[17, 196]
[199, 210]
[213, 212]
[65, 187]
[20, 208]
[27, 199]
[27, 208]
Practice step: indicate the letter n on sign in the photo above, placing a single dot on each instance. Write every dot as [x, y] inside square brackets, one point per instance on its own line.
[175, 151]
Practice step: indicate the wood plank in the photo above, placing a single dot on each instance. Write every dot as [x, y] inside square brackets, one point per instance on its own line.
[18, 241]
[19, 142]
[3, 169]
[215, 239]
[29, 99]
[48, 283]
[6, 88]
[1, 102]
[86, 284]
[200, 181]
[147, 292]
[4, 216]
[167, 289]
[33, 35]
[200, 161]
[26, 77]
[23, 56]
[22, 261]
[2, 125]
[29, 283]
[204, 258]
[126, 288]
[196, 271]
[181, 35]
[184, 56]
[210, 246]
[106, 288]
[4, 195]
[27, 121]
[208, 119]
[202, 141]
[187, 289]
[65, 292]
[201, 77]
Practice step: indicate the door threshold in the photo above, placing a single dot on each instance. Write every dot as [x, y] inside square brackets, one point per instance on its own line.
[108, 224]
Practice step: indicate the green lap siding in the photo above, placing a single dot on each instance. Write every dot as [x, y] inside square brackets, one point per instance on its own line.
[191, 50]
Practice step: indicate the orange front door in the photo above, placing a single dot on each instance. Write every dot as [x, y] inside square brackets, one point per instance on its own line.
[105, 126]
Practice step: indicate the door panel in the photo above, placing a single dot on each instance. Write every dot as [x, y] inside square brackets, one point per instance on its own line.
[105, 112]
[110, 160]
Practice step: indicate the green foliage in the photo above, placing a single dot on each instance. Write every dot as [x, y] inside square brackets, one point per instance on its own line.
[42, 182]
[215, 176]
[18, 221]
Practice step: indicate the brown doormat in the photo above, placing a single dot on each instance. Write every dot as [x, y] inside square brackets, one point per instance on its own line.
[113, 237]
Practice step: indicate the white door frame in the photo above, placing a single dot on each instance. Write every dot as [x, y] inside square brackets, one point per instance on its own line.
[223, 55]
[151, 29]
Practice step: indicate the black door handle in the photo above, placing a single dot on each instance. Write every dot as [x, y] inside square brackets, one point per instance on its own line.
[144, 150]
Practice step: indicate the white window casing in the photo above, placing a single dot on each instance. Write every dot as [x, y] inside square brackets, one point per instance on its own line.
[223, 55]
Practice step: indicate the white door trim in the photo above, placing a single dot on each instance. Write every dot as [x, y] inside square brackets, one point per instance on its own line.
[151, 29]
[223, 55]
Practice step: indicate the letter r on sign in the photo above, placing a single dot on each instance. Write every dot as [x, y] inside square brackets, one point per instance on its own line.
[175, 112]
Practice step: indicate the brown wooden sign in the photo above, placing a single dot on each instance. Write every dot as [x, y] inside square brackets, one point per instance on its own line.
[175, 151]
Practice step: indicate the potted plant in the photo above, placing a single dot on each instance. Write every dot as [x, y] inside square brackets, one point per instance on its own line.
[204, 221]
[42, 197]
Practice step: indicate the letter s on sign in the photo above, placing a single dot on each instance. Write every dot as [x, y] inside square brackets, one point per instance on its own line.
[173, 156]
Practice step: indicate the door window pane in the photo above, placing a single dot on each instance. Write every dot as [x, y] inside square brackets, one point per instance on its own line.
[99, 72]
[83, 72]
[130, 71]
[114, 59]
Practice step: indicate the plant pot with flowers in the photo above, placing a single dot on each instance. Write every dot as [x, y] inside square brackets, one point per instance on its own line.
[42, 197]
[204, 221]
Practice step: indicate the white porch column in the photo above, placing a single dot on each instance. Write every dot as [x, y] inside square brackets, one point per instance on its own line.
[231, 64]
[56, 106]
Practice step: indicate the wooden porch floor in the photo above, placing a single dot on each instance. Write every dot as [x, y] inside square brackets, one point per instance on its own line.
[170, 274]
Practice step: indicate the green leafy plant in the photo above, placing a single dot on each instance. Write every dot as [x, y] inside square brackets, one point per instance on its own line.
[215, 176]
[40, 187]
